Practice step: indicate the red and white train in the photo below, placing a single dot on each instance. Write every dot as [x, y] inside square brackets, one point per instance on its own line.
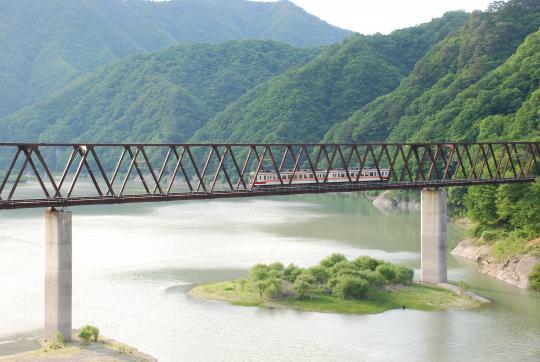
[270, 178]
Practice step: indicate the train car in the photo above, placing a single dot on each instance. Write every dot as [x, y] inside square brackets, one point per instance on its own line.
[270, 178]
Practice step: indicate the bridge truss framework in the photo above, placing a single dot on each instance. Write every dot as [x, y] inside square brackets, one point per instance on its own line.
[88, 174]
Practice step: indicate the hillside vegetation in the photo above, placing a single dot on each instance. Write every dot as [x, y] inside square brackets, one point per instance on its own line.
[302, 104]
[161, 97]
[461, 90]
[479, 84]
[46, 44]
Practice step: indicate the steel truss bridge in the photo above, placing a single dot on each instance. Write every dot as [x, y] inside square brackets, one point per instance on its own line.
[63, 175]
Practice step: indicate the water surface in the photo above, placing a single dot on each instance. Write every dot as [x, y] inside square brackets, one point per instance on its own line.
[134, 264]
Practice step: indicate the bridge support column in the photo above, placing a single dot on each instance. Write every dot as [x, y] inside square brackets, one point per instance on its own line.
[433, 236]
[58, 265]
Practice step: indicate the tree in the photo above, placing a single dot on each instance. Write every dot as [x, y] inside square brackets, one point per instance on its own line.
[304, 285]
[534, 278]
[388, 271]
[319, 273]
[332, 260]
[260, 274]
[350, 287]
[291, 272]
[366, 263]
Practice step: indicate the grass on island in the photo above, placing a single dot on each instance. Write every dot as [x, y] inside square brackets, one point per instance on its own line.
[378, 294]
[413, 296]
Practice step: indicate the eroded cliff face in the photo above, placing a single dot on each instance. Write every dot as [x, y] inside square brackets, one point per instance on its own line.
[514, 270]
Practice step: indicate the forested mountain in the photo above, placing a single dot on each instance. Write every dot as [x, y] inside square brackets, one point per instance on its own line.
[481, 83]
[46, 44]
[159, 97]
[466, 88]
[302, 104]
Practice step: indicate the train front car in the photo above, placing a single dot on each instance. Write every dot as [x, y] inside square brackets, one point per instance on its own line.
[264, 179]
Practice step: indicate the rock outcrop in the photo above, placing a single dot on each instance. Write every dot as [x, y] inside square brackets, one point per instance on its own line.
[385, 202]
[514, 270]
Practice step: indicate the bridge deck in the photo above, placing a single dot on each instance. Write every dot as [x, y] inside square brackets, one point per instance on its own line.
[88, 174]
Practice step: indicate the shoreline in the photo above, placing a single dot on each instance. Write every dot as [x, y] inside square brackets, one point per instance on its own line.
[413, 296]
[513, 270]
[23, 347]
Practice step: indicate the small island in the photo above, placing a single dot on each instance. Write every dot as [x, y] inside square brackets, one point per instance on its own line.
[336, 285]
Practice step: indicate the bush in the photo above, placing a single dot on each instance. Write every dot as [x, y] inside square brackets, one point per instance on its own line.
[95, 332]
[86, 335]
[388, 272]
[374, 278]
[304, 285]
[89, 332]
[341, 267]
[349, 287]
[60, 338]
[291, 272]
[319, 273]
[404, 274]
[332, 260]
[366, 263]
[277, 266]
[534, 278]
[491, 235]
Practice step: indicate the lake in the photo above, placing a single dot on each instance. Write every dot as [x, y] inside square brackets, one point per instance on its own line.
[134, 264]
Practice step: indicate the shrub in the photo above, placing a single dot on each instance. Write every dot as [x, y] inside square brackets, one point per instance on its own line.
[85, 334]
[95, 332]
[340, 267]
[404, 274]
[319, 273]
[304, 285]
[388, 272]
[332, 260]
[89, 332]
[374, 278]
[491, 235]
[366, 263]
[534, 278]
[60, 338]
[277, 266]
[291, 272]
[348, 287]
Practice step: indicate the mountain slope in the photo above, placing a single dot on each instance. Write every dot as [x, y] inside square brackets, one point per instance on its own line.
[302, 104]
[455, 86]
[160, 97]
[46, 44]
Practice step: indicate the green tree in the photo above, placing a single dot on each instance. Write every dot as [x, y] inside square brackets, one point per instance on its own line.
[350, 287]
[304, 285]
[388, 271]
[534, 278]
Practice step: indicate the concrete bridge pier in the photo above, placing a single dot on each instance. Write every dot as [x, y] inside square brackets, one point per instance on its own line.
[433, 235]
[58, 266]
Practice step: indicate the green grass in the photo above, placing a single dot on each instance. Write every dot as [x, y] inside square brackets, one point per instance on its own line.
[412, 296]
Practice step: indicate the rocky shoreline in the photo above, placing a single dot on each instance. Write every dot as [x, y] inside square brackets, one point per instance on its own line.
[514, 270]
[384, 202]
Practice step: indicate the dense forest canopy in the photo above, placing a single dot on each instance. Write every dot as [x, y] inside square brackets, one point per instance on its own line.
[302, 104]
[160, 97]
[46, 44]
